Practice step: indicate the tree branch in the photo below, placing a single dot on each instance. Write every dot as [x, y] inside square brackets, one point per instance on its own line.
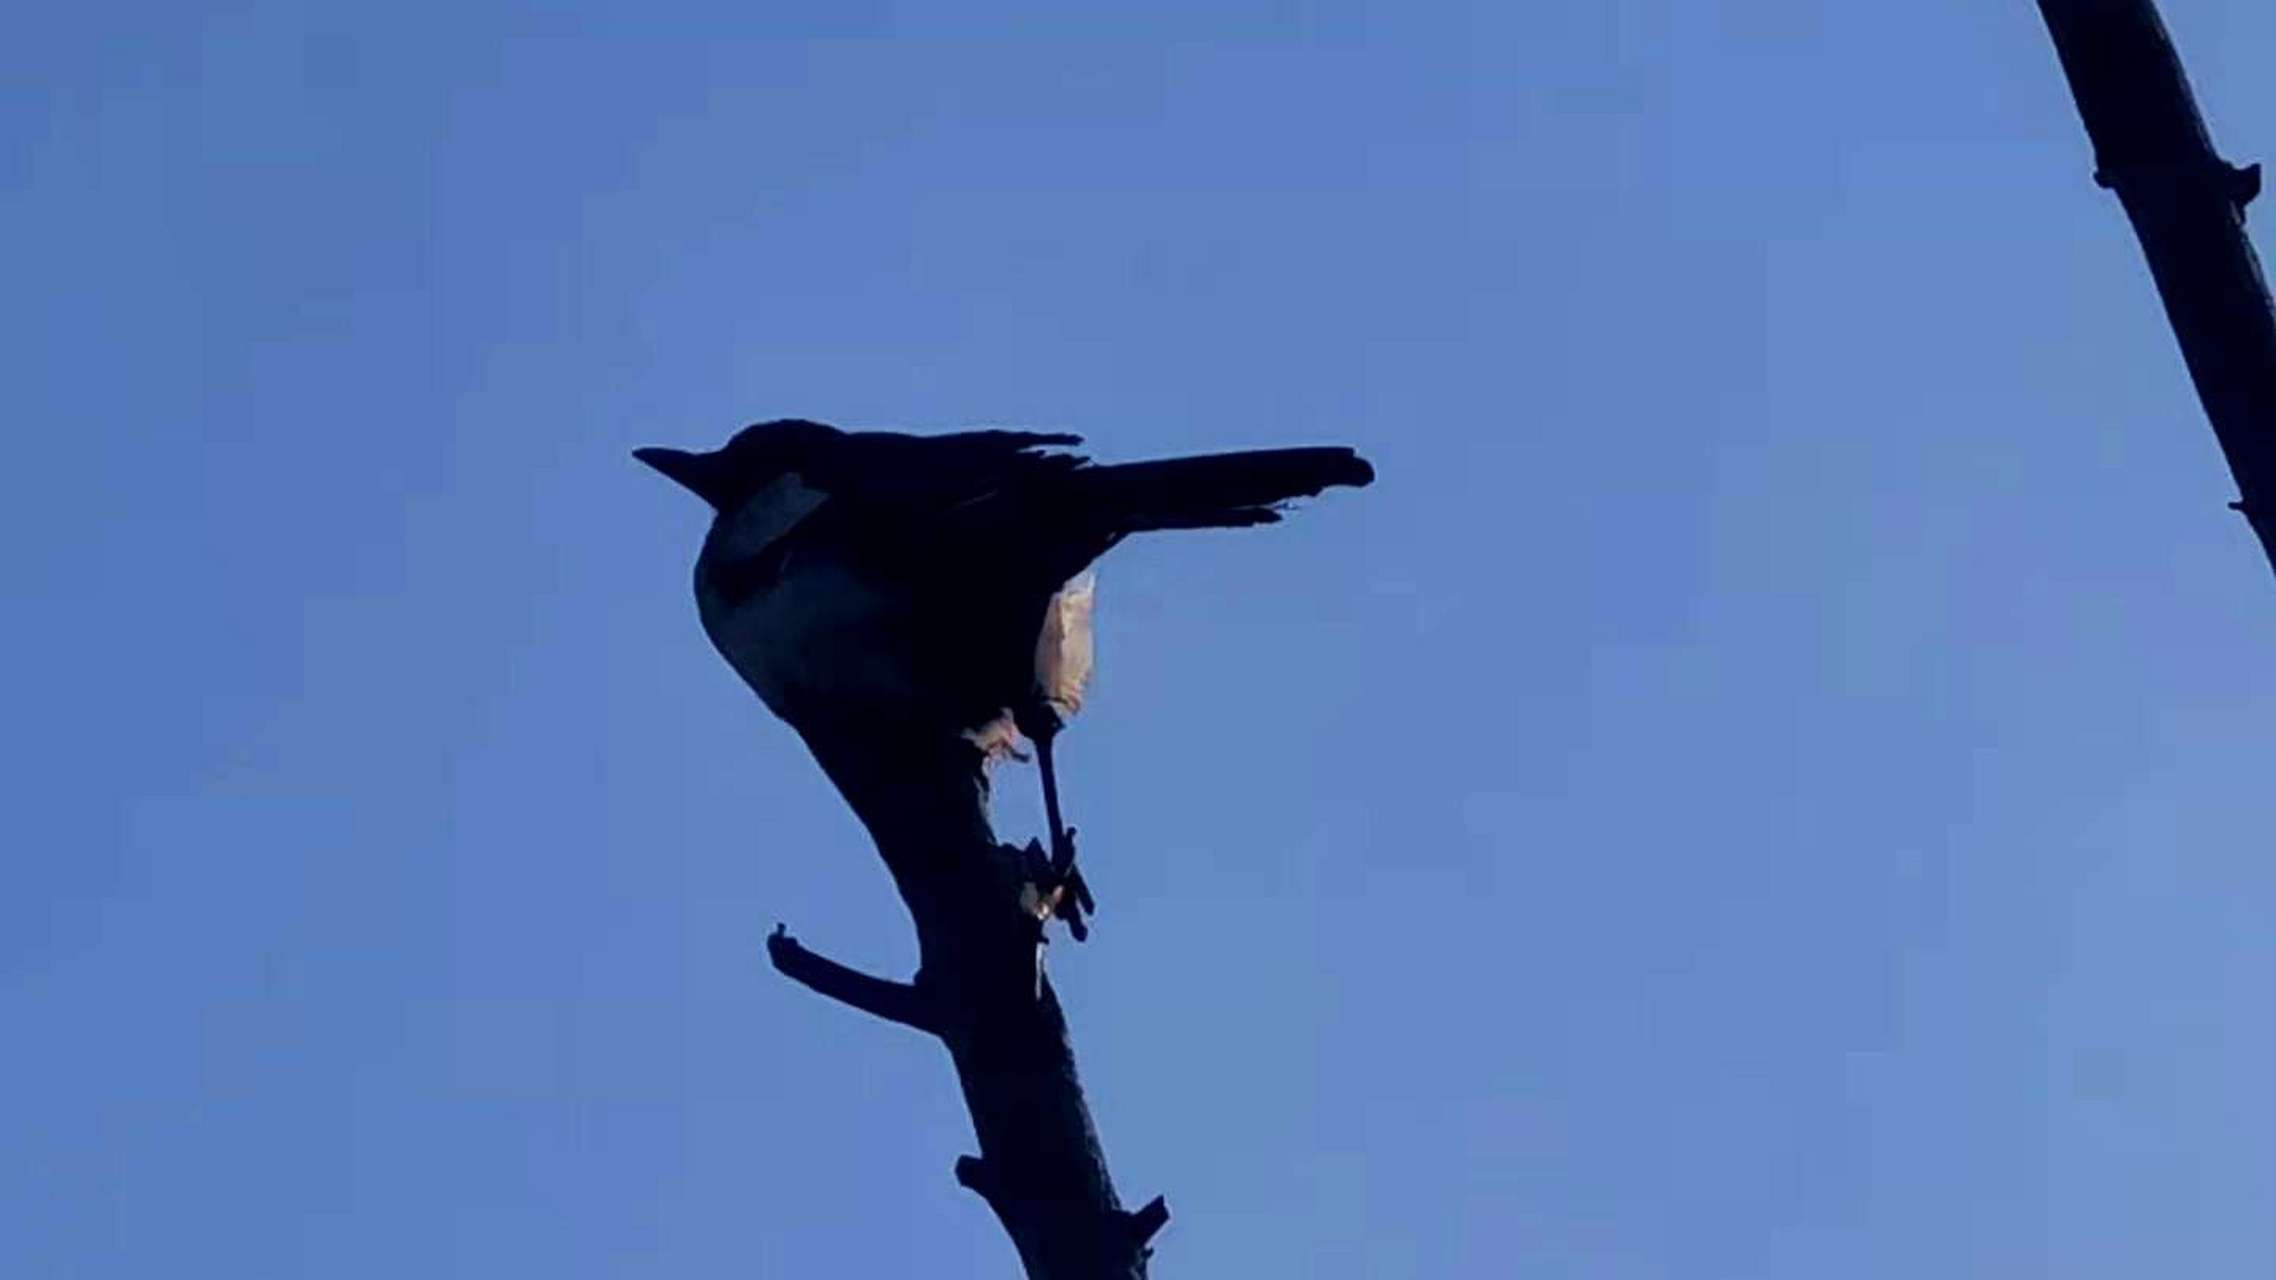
[982, 990]
[2187, 208]
[893, 1001]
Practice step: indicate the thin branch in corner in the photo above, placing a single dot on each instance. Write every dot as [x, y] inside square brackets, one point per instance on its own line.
[2186, 204]
[879, 997]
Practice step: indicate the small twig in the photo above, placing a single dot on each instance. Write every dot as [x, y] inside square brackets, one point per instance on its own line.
[893, 1001]
[1147, 1221]
[1132, 1233]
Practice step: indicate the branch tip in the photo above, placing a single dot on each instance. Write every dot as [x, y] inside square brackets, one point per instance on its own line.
[973, 1174]
[893, 1001]
[1148, 1220]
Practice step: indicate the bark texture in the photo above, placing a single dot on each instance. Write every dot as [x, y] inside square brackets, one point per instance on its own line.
[980, 988]
[2187, 207]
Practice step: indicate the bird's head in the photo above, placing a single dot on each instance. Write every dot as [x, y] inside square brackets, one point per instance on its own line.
[747, 463]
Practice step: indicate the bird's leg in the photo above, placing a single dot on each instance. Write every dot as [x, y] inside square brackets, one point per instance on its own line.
[1049, 769]
[1041, 722]
[1075, 897]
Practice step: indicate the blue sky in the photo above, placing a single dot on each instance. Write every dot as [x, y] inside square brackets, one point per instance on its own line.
[1773, 782]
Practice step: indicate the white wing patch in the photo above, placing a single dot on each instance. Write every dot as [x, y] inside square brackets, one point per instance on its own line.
[1063, 661]
[1063, 653]
[771, 513]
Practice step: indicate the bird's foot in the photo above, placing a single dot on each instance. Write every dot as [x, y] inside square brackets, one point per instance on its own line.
[1052, 887]
[1062, 852]
[1064, 871]
[1073, 894]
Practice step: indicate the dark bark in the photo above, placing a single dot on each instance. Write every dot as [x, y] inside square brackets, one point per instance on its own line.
[900, 1002]
[2187, 207]
[980, 988]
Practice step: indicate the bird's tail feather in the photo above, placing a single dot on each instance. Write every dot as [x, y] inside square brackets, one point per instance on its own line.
[1215, 491]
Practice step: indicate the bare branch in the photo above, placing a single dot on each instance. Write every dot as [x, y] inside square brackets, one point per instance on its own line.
[1148, 1220]
[2187, 205]
[982, 990]
[893, 1001]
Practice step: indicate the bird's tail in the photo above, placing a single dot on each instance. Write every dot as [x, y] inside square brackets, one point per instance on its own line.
[1214, 491]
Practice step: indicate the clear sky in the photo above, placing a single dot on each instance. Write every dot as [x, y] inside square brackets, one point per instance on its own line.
[1773, 782]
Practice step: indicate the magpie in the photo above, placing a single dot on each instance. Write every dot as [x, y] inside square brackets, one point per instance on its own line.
[881, 582]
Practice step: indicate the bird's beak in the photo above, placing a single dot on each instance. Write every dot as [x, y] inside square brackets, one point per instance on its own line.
[698, 473]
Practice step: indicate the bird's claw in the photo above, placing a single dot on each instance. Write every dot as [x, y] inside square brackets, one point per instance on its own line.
[1074, 897]
[1059, 886]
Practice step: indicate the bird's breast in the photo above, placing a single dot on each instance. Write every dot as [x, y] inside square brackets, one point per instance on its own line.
[815, 634]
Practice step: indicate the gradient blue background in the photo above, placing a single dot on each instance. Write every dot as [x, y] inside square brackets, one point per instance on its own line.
[1774, 782]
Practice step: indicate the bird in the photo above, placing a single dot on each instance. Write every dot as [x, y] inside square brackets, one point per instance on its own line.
[881, 582]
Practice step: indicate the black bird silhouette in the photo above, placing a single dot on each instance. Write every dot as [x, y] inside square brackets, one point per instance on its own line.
[882, 579]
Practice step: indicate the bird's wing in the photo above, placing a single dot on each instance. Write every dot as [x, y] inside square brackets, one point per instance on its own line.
[937, 473]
